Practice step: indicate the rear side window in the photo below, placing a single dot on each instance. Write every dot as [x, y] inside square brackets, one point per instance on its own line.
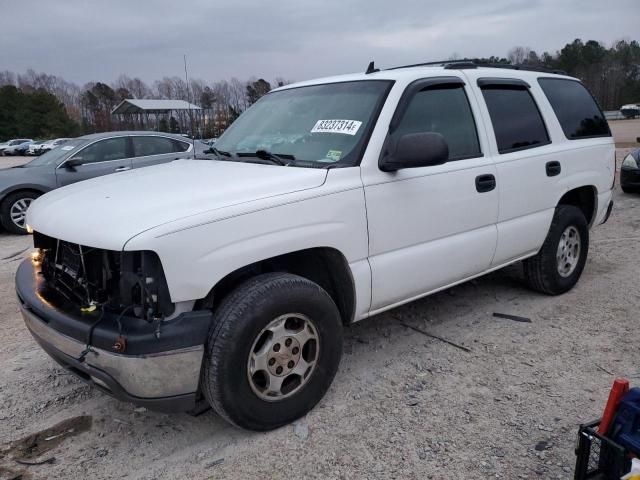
[516, 120]
[444, 110]
[151, 145]
[577, 111]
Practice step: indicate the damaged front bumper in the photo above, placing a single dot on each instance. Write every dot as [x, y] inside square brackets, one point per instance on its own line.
[160, 367]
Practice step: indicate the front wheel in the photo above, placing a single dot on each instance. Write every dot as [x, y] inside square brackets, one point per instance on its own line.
[13, 211]
[274, 347]
[559, 263]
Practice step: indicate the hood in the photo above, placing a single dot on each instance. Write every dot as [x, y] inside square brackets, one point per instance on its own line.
[20, 174]
[107, 211]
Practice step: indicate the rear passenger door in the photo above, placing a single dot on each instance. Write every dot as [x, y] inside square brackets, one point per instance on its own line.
[432, 226]
[526, 161]
[156, 149]
[111, 155]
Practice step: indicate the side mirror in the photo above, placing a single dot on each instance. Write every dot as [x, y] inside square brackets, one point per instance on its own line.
[416, 150]
[72, 163]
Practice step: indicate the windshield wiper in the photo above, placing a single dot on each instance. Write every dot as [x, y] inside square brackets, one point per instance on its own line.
[220, 153]
[271, 157]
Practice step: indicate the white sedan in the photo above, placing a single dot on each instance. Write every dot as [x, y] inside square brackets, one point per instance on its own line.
[51, 144]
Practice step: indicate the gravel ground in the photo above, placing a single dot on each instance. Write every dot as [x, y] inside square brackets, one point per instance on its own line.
[403, 405]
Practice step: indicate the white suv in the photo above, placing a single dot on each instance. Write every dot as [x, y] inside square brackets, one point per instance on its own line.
[230, 279]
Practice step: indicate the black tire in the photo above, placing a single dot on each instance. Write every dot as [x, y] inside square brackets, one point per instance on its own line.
[5, 210]
[238, 322]
[541, 271]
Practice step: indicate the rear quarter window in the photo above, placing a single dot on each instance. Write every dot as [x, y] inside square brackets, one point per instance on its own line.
[179, 146]
[577, 111]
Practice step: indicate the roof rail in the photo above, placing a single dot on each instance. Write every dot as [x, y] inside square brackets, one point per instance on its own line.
[428, 64]
[475, 63]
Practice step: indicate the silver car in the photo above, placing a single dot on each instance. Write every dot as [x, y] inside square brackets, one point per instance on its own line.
[79, 159]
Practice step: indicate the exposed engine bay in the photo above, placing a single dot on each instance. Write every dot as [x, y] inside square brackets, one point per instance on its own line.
[85, 279]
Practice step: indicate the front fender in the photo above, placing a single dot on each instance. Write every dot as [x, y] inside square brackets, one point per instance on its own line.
[23, 186]
[195, 259]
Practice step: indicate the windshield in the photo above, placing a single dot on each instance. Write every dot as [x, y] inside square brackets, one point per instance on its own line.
[323, 124]
[53, 157]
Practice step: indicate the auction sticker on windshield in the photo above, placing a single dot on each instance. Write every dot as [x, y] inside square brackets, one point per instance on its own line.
[348, 127]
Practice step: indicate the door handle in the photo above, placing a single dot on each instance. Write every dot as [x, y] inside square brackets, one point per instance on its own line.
[485, 183]
[122, 169]
[553, 168]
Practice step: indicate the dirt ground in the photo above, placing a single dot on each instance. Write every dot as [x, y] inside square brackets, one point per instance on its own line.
[403, 405]
[626, 132]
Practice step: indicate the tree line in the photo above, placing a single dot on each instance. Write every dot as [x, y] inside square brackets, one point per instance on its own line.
[87, 109]
[611, 74]
[41, 105]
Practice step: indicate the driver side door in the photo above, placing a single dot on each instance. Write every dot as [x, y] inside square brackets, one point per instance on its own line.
[109, 155]
[432, 226]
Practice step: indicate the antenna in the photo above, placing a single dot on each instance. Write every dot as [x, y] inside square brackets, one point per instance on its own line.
[371, 68]
[193, 135]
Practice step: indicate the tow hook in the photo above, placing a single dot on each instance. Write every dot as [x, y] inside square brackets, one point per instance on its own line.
[120, 345]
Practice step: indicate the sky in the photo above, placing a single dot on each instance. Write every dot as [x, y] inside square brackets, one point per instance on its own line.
[85, 40]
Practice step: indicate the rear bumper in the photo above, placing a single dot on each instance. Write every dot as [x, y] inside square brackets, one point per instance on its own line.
[165, 380]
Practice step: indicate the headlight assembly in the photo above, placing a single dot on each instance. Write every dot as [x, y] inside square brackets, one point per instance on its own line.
[629, 162]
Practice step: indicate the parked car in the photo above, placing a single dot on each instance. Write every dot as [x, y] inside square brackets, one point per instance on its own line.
[79, 159]
[630, 111]
[51, 144]
[35, 148]
[325, 203]
[630, 172]
[19, 149]
[16, 147]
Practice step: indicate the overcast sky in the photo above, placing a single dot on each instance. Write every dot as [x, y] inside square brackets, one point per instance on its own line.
[85, 40]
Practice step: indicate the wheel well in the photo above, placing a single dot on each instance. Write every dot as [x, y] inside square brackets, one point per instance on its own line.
[18, 190]
[584, 198]
[323, 265]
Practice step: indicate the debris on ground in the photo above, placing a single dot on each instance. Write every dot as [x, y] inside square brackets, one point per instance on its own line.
[35, 462]
[436, 337]
[515, 318]
[34, 445]
[214, 463]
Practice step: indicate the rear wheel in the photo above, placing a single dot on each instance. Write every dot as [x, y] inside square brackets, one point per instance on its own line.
[13, 211]
[559, 263]
[273, 350]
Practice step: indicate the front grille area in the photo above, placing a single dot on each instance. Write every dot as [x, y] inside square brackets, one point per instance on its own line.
[82, 277]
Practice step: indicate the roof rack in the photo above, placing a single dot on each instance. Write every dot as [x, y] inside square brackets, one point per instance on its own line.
[468, 63]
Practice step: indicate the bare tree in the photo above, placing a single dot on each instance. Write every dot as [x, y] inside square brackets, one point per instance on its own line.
[136, 87]
[518, 55]
[7, 78]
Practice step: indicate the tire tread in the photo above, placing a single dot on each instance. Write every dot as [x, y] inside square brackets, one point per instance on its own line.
[537, 270]
[232, 310]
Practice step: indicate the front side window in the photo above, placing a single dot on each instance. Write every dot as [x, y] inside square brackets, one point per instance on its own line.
[516, 120]
[577, 111]
[318, 125]
[444, 110]
[105, 150]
